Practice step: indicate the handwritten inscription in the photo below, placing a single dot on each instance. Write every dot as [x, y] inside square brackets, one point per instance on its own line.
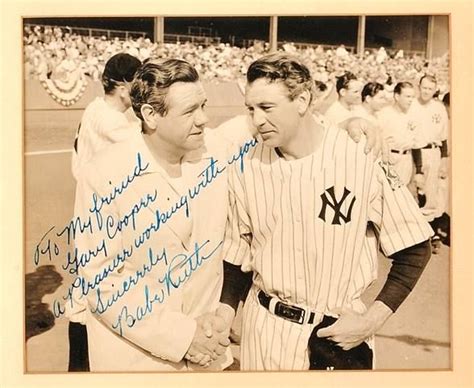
[109, 224]
[180, 268]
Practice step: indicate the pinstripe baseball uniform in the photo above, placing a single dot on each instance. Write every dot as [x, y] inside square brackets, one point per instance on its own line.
[302, 227]
[399, 130]
[432, 131]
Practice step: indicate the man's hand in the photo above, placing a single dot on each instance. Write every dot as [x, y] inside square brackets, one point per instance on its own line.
[356, 127]
[210, 339]
[443, 168]
[227, 313]
[352, 328]
[419, 181]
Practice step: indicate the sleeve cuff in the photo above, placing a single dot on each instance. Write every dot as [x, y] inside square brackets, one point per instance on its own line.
[173, 345]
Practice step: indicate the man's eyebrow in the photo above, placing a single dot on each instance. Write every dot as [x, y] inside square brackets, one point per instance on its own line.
[263, 103]
[194, 106]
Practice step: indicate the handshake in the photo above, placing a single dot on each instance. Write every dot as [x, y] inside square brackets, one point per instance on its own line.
[211, 337]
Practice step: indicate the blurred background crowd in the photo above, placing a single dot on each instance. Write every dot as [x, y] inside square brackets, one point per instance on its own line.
[56, 53]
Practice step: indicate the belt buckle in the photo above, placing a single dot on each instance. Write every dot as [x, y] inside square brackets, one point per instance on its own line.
[291, 313]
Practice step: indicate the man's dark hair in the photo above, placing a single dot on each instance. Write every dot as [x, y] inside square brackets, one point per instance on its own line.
[400, 86]
[285, 68]
[118, 69]
[371, 89]
[429, 77]
[446, 98]
[153, 80]
[321, 86]
[344, 80]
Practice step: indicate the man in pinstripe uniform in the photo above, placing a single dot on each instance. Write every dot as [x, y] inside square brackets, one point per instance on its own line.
[307, 211]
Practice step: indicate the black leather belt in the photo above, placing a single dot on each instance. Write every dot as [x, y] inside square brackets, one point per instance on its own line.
[431, 145]
[286, 311]
[400, 152]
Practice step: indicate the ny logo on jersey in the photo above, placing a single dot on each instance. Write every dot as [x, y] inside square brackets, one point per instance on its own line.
[436, 118]
[411, 126]
[336, 205]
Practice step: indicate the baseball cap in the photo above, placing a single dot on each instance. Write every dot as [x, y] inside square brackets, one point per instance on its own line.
[121, 67]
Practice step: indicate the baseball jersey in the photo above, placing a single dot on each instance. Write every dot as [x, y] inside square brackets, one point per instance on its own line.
[99, 127]
[302, 227]
[399, 129]
[433, 121]
[337, 113]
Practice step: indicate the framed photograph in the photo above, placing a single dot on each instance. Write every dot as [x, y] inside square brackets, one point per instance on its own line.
[111, 234]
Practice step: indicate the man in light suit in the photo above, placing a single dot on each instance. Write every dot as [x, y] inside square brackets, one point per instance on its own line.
[150, 264]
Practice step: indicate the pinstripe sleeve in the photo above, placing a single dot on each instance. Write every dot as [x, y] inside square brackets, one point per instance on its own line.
[396, 214]
[238, 231]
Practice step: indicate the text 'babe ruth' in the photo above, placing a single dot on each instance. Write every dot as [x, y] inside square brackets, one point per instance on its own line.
[306, 215]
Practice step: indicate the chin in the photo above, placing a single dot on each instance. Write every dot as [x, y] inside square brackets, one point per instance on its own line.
[195, 144]
[269, 140]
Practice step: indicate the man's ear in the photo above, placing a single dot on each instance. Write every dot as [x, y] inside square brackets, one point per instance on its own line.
[149, 115]
[304, 101]
[342, 92]
[123, 90]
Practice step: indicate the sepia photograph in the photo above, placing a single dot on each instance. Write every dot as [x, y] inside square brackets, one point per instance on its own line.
[237, 193]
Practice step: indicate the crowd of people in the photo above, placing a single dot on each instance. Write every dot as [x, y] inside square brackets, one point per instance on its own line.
[52, 51]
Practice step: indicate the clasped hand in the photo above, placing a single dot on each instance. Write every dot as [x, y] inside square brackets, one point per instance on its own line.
[210, 341]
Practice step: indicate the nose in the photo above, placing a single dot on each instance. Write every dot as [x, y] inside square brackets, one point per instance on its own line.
[201, 118]
[258, 118]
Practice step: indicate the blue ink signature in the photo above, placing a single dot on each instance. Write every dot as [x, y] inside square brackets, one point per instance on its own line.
[85, 286]
[118, 190]
[243, 150]
[81, 259]
[113, 227]
[180, 269]
[45, 250]
[74, 225]
[209, 174]
[153, 260]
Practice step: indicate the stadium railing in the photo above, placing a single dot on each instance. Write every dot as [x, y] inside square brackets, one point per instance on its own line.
[94, 32]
